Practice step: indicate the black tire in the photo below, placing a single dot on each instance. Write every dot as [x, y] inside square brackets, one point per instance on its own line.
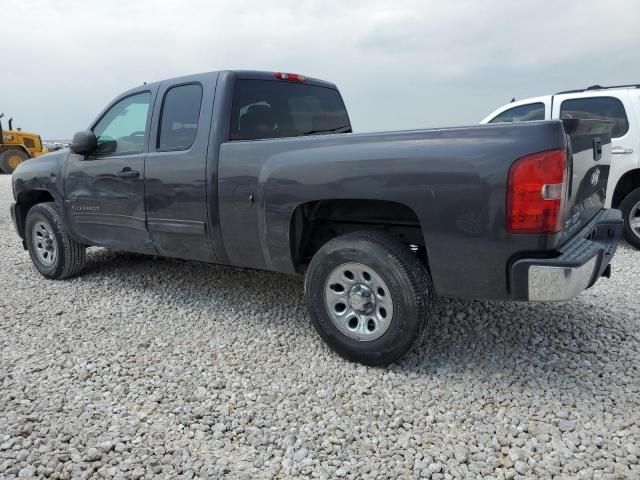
[6, 164]
[630, 203]
[70, 256]
[407, 279]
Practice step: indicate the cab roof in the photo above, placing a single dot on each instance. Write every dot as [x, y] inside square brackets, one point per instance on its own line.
[252, 75]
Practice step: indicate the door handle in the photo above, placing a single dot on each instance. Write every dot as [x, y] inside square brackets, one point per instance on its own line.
[126, 172]
[621, 150]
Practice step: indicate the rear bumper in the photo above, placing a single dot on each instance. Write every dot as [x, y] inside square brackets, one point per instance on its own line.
[582, 260]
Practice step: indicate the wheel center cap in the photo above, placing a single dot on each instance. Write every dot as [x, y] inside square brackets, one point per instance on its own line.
[361, 298]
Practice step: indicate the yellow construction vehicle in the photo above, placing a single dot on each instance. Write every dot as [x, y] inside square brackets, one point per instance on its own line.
[17, 146]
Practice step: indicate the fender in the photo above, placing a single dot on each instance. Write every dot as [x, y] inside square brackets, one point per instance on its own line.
[624, 185]
[37, 180]
[281, 199]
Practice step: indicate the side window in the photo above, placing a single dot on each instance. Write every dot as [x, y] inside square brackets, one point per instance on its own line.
[521, 113]
[604, 108]
[122, 129]
[179, 118]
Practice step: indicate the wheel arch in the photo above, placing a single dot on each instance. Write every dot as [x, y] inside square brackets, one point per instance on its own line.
[627, 183]
[25, 201]
[313, 223]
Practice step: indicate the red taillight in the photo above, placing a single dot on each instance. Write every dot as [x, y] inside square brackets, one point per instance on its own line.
[292, 77]
[535, 192]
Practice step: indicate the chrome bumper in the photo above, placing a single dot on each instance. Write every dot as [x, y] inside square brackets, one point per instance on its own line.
[577, 266]
[554, 284]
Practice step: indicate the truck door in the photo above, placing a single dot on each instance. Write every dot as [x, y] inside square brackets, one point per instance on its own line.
[625, 137]
[176, 169]
[104, 191]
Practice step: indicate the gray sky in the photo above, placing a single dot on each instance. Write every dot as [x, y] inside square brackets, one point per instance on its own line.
[399, 64]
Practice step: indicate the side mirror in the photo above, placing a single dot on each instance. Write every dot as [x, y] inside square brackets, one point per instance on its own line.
[106, 146]
[84, 142]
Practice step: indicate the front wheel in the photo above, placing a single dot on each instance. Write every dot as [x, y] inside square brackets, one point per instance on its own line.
[630, 207]
[369, 297]
[53, 252]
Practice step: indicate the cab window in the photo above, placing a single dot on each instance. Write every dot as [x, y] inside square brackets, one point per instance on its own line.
[521, 113]
[179, 118]
[122, 129]
[276, 109]
[602, 108]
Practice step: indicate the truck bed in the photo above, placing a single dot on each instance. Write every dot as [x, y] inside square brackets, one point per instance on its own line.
[453, 179]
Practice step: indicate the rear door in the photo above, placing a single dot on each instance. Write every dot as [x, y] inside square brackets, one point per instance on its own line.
[104, 191]
[615, 106]
[176, 169]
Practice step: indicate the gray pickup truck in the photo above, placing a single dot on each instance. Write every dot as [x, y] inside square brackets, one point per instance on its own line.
[261, 170]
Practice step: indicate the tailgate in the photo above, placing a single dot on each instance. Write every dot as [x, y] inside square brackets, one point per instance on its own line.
[589, 160]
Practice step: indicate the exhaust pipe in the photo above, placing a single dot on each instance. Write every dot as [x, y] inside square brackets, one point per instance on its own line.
[11, 124]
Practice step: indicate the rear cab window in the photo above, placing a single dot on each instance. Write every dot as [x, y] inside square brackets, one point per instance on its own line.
[598, 108]
[277, 109]
[521, 113]
[179, 117]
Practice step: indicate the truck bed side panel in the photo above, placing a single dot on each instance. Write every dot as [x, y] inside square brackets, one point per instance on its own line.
[453, 179]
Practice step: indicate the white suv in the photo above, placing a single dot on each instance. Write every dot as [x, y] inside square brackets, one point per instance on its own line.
[620, 104]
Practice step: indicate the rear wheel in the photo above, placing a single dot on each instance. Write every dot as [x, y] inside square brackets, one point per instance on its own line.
[369, 297]
[10, 159]
[53, 252]
[630, 207]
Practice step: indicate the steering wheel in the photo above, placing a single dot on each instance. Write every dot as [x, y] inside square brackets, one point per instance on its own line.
[137, 134]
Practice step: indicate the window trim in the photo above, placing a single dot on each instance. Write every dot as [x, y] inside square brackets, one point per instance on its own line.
[626, 115]
[157, 147]
[146, 126]
[544, 113]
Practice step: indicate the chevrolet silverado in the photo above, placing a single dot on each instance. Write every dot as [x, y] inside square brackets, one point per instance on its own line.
[262, 170]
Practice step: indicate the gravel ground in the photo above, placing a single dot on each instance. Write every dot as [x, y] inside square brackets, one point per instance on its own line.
[145, 368]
